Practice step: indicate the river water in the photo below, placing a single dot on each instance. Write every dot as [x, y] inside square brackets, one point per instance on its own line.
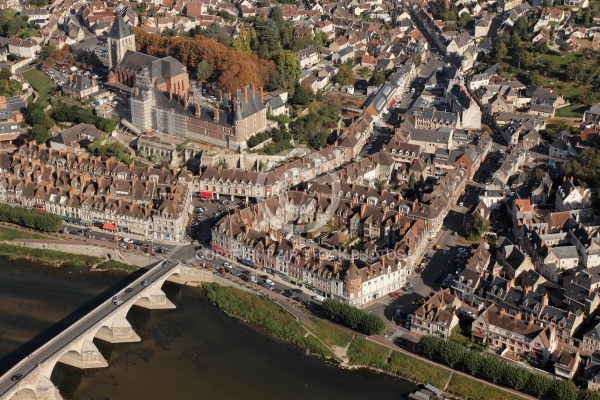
[192, 352]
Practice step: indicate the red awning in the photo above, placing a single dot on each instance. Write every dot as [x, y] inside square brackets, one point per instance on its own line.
[109, 227]
[205, 195]
[219, 249]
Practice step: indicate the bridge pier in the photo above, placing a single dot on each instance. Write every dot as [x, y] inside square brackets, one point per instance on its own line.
[88, 357]
[120, 331]
[45, 390]
[156, 300]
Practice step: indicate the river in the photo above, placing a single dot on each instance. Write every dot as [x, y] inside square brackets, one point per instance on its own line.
[192, 352]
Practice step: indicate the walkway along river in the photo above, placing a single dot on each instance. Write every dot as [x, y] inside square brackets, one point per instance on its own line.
[192, 352]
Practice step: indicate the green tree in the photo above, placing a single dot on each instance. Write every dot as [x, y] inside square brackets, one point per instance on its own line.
[500, 51]
[564, 46]
[378, 78]
[243, 42]
[588, 395]
[39, 133]
[429, 345]
[5, 74]
[318, 140]
[564, 390]
[515, 377]
[412, 182]
[538, 385]
[451, 352]
[288, 67]
[472, 361]
[301, 96]
[364, 72]
[203, 71]
[493, 368]
[267, 37]
[319, 40]
[345, 76]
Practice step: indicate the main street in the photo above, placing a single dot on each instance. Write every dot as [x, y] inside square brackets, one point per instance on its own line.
[28, 365]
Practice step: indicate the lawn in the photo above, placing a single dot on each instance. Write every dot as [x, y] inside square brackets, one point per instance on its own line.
[15, 234]
[366, 353]
[330, 334]
[417, 370]
[470, 389]
[40, 82]
[571, 111]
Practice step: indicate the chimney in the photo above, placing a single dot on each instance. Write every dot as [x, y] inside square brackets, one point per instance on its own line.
[93, 82]
[216, 114]
[185, 102]
[71, 78]
[518, 315]
[262, 97]
[564, 178]
[170, 94]
[197, 110]
[571, 179]
[501, 311]
[545, 299]
[245, 93]
[253, 89]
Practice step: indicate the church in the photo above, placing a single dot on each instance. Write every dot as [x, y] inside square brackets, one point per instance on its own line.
[161, 98]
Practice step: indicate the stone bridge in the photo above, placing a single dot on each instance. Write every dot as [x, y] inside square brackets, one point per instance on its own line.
[75, 345]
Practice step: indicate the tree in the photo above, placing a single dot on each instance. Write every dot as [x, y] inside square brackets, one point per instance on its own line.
[451, 352]
[267, 37]
[364, 72]
[538, 385]
[39, 133]
[345, 76]
[288, 67]
[203, 71]
[500, 51]
[429, 345]
[218, 33]
[564, 390]
[472, 361]
[515, 377]
[588, 395]
[564, 46]
[378, 78]
[5, 74]
[412, 182]
[492, 368]
[520, 27]
[301, 96]
[318, 140]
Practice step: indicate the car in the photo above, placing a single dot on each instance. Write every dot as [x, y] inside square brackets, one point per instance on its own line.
[460, 204]
[288, 293]
[145, 283]
[16, 377]
[269, 282]
[116, 298]
[309, 241]
[455, 234]
[399, 342]
[278, 291]
[118, 302]
[302, 245]
[227, 265]
[245, 278]
[128, 290]
[235, 273]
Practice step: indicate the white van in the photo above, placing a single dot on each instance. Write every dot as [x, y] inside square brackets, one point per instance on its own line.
[269, 282]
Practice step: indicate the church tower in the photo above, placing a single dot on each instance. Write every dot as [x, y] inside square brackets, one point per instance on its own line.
[120, 39]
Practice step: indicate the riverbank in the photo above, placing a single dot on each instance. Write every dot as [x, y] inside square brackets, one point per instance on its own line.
[352, 350]
[53, 258]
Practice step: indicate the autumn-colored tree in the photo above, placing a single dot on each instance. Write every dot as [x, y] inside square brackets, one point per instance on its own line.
[231, 68]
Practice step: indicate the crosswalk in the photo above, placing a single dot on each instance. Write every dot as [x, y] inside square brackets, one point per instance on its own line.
[387, 301]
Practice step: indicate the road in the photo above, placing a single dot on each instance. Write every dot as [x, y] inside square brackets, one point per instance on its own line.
[59, 342]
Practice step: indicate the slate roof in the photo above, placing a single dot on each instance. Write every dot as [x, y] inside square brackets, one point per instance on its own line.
[119, 29]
